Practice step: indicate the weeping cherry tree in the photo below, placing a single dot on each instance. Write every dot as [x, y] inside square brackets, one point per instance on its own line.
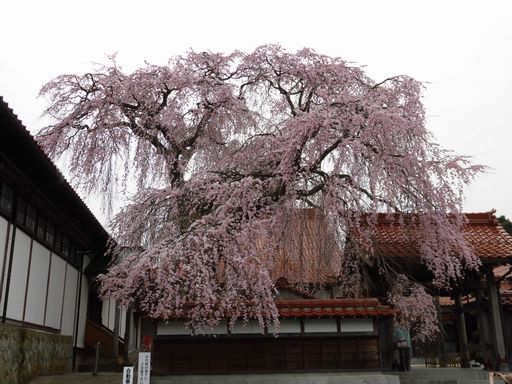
[224, 150]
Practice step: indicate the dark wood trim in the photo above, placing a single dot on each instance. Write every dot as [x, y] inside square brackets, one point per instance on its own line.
[29, 325]
[28, 279]
[108, 313]
[78, 300]
[77, 305]
[9, 268]
[48, 276]
[63, 295]
[6, 251]
[349, 335]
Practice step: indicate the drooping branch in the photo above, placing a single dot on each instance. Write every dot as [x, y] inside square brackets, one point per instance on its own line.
[226, 148]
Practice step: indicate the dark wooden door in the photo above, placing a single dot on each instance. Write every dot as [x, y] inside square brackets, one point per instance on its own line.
[218, 355]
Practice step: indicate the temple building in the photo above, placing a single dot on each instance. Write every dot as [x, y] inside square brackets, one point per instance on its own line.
[47, 238]
[473, 313]
[321, 331]
[52, 249]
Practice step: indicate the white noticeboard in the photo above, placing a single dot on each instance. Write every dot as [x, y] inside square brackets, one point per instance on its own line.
[144, 367]
[128, 375]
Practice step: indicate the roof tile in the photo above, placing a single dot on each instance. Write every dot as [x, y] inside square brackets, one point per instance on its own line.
[486, 237]
[333, 308]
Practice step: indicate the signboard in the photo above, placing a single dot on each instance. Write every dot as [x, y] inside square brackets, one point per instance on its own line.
[144, 367]
[128, 375]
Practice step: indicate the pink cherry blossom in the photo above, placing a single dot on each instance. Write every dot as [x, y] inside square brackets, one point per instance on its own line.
[225, 149]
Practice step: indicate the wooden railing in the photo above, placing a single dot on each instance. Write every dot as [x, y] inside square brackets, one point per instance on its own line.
[95, 333]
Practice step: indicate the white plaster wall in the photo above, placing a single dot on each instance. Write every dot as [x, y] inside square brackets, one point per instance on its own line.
[252, 327]
[357, 325]
[4, 257]
[139, 333]
[108, 315]
[55, 292]
[133, 331]
[84, 296]
[320, 325]
[122, 323]
[178, 328]
[171, 328]
[111, 314]
[70, 296]
[37, 284]
[105, 305]
[219, 329]
[18, 276]
[288, 326]
[86, 262]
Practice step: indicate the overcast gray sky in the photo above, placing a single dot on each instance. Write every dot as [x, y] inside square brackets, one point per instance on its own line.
[461, 49]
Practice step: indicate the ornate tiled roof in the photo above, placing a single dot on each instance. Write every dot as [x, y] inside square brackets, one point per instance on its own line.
[503, 271]
[486, 237]
[332, 307]
[506, 299]
[446, 301]
[36, 173]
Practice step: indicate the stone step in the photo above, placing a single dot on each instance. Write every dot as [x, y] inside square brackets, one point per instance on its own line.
[446, 376]
[448, 381]
[280, 378]
[445, 373]
[102, 367]
[91, 359]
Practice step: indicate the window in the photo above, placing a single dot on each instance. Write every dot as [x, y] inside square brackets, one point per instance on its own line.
[58, 242]
[72, 253]
[41, 228]
[77, 256]
[20, 212]
[6, 199]
[65, 248]
[30, 219]
[50, 234]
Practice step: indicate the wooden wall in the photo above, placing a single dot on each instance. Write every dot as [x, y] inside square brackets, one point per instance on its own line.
[264, 354]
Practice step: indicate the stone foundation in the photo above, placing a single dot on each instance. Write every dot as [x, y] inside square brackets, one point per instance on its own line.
[25, 353]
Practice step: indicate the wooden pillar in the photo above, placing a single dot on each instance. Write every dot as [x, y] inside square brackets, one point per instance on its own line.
[115, 339]
[440, 337]
[461, 327]
[127, 335]
[484, 329]
[386, 345]
[495, 312]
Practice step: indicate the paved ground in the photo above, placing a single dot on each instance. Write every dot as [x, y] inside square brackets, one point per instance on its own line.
[290, 378]
[80, 378]
[418, 375]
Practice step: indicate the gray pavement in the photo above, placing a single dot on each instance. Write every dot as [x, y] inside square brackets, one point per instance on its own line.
[272, 378]
[418, 375]
[80, 378]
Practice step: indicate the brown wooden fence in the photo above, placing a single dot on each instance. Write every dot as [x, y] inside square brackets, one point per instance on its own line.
[217, 355]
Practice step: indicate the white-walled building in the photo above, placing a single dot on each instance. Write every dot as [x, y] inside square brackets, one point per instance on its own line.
[48, 237]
